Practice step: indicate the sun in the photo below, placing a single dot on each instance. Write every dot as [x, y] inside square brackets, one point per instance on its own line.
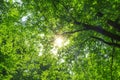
[58, 41]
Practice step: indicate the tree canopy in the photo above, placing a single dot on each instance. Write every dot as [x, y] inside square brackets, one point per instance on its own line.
[59, 40]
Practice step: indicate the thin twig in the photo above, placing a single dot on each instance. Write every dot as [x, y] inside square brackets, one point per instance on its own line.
[108, 43]
[112, 58]
[72, 32]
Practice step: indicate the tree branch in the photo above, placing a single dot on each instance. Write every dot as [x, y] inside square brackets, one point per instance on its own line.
[114, 24]
[108, 43]
[112, 60]
[71, 32]
[99, 30]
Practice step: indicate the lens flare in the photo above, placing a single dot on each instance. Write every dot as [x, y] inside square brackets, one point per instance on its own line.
[58, 41]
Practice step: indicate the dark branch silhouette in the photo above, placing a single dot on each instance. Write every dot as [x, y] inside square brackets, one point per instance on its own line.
[112, 61]
[114, 24]
[71, 32]
[109, 43]
[99, 30]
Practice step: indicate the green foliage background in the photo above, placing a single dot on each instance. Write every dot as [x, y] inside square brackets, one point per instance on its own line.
[84, 58]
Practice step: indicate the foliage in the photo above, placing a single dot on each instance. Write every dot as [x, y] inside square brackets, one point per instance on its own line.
[28, 29]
